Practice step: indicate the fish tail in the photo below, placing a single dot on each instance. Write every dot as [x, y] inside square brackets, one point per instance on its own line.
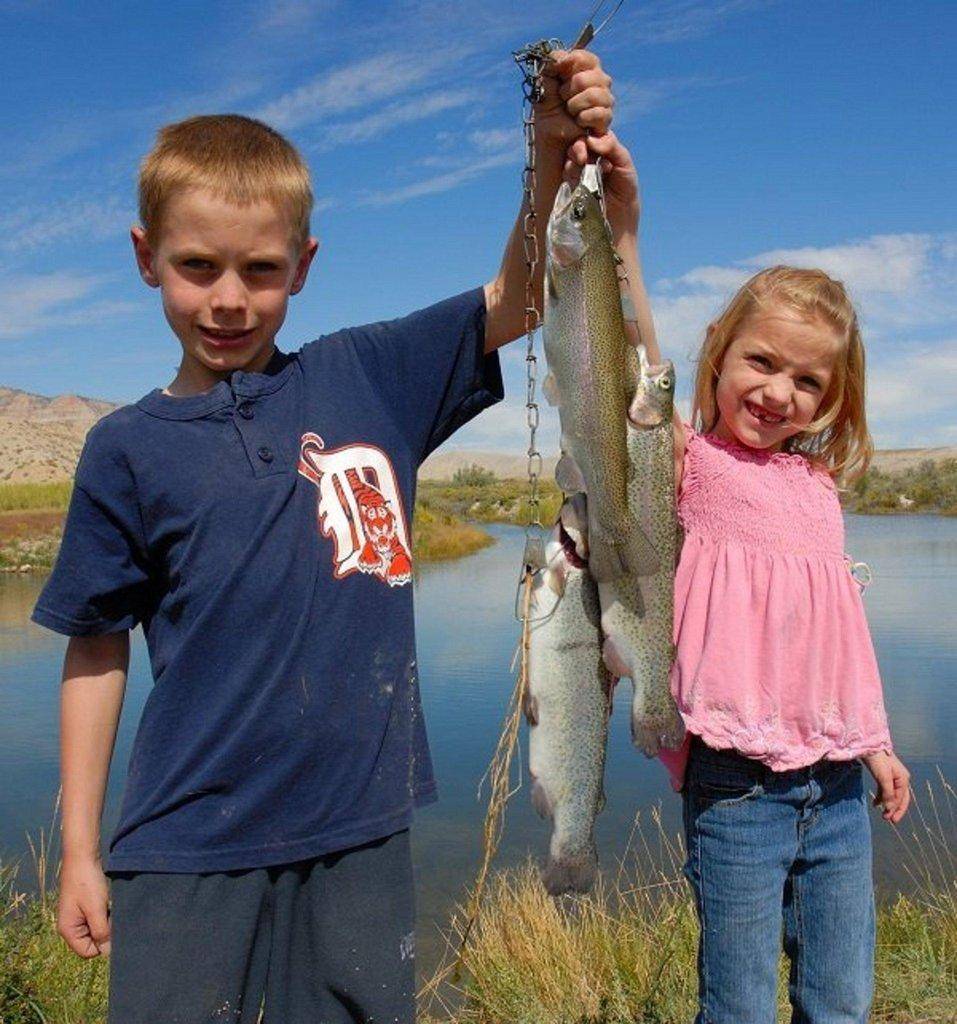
[650, 732]
[571, 872]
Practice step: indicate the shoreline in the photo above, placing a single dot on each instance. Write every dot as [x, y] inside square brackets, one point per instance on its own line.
[448, 518]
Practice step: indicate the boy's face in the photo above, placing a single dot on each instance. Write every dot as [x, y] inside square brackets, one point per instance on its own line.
[226, 273]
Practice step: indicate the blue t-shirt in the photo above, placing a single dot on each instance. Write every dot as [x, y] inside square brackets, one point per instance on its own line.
[260, 532]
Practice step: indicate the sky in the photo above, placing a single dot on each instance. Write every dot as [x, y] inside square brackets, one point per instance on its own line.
[818, 134]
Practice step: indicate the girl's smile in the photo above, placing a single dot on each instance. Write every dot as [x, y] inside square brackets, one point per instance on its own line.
[774, 377]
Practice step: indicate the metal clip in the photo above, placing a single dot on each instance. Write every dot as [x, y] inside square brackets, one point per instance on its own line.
[860, 573]
[588, 31]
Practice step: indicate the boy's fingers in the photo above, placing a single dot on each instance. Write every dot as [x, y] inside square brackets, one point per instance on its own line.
[583, 80]
[565, 63]
[597, 96]
[609, 148]
[577, 152]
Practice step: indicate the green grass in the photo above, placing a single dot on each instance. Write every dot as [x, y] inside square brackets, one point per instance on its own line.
[28, 497]
[927, 487]
[438, 536]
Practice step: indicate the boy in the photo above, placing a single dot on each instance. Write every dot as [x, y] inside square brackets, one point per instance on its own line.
[254, 516]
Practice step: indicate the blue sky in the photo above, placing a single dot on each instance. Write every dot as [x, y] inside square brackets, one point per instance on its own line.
[765, 131]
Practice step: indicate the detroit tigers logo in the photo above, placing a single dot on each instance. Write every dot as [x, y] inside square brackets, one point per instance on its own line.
[360, 508]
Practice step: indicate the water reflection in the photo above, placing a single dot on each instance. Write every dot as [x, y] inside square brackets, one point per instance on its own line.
[466, 639]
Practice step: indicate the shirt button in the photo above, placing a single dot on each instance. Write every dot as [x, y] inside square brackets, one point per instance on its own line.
[265, 454]
[245, 410]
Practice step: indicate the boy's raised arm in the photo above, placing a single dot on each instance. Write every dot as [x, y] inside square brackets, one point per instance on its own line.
[91, 698]
[577, 100]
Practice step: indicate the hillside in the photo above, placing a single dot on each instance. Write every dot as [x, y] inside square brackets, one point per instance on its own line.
[41, 438]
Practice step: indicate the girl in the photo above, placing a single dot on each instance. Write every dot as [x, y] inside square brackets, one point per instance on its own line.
[775, 675]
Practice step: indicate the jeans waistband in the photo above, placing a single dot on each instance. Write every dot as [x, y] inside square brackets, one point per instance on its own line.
[732, 759]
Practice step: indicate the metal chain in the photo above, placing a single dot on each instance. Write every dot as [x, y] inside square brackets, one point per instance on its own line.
[532, 60]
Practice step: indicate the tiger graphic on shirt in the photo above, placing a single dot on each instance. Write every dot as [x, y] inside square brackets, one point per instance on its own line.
[360, 508]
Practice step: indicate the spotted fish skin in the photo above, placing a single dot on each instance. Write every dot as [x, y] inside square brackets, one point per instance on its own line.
[567, 705]
[638, 611]
[592, 376]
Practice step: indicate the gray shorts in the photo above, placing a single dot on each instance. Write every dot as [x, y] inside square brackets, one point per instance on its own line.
[320, 941]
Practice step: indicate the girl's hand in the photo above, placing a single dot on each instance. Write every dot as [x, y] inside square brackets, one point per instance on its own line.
[619, 179]
[82, 914]
[893, 783]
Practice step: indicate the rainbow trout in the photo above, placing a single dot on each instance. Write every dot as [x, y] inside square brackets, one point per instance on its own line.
[637, 616]
[567, 704]
[592, 378]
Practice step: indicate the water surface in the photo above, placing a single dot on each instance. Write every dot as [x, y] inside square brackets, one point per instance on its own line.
[466, 639]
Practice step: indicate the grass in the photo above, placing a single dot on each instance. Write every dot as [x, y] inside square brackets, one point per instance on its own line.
[23, 497]
[623, 955]
[928, 487]
[31, 530]
[437, 536]
[626, 953]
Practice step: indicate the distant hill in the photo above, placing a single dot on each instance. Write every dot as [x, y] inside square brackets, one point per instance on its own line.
[443, 464]
[41, 439]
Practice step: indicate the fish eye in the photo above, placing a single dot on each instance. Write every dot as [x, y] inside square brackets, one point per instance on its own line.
[665, 383]
[578, 209]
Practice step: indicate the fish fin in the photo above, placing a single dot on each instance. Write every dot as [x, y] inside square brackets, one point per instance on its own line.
[640, 556]
[530, 708]
[541, 803]
[571, 872]
[550, 283]
[602, 800]
[550, 390]
[614, 658]
[608, 561]
[568, 476]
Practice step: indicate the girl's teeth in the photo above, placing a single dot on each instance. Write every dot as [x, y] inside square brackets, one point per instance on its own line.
[765, 417]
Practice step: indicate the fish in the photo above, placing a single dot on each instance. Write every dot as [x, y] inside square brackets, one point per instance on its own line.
[592, 376]
[637, 612]
[567, 703]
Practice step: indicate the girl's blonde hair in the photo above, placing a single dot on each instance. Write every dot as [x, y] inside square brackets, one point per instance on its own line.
[237, 158]
[838, 439]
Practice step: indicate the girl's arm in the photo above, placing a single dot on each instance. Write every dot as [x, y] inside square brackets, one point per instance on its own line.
[91, 698]
[623, 209]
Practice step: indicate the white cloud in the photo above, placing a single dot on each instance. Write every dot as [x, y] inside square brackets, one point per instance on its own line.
[75, 220]
[404, 111]
[31, 303]
[437, 183]
[891, 264]
[382, 77]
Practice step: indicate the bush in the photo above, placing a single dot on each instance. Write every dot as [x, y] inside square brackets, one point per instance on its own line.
[473, 475]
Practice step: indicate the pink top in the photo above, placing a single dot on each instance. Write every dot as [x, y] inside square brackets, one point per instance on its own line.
[774, 658]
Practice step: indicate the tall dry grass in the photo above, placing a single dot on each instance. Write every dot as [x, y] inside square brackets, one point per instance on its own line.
[623, 955]
[626, 953]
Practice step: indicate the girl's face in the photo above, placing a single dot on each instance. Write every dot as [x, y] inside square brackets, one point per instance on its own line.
[774, 376]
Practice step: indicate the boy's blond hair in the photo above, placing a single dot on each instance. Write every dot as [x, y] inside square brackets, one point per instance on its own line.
[838, 438]
[237, 158]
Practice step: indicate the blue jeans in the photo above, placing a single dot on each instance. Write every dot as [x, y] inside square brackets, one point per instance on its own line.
[771, 850]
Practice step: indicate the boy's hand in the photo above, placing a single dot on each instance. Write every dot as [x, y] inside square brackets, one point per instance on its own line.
[619, 180]
[577, 99]
[893, 783]
[82, 917]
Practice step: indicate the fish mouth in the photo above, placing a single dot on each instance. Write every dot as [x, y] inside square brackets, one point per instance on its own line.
[570, 549]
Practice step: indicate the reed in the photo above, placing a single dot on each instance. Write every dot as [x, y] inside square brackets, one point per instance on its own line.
[625, 954]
